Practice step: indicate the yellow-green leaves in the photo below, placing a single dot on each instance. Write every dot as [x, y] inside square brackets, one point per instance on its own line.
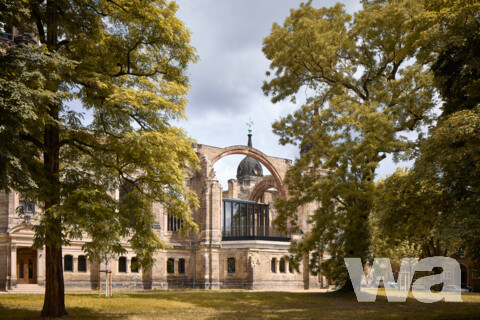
[367, 94]
[125, 62]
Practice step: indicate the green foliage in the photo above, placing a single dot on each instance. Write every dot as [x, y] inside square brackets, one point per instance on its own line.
[436, 203]
[366, 96]
[125, 63]
[451, 42]
[24, 101]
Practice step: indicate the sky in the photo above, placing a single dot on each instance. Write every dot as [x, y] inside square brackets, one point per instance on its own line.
[226, 81]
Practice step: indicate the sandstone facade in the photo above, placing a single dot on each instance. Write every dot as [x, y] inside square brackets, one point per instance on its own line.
[207, 260]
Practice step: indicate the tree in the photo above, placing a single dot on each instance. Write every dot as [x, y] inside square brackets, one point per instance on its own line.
[435, 204]
[125, 62]
[445, 174]
[409, 218]
[366, 97]
[450, 44]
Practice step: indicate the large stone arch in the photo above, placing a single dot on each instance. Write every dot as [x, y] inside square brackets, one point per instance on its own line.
[214, 154]
[263, 185]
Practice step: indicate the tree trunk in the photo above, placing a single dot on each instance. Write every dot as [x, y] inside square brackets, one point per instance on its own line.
[54, 302]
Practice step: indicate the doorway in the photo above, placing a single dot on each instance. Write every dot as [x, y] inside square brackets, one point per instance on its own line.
[26, 265]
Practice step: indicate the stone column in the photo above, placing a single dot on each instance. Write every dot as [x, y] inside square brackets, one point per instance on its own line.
[75, 264]
[40, 266]
[216, 212]
[214, 234]
[13, 266]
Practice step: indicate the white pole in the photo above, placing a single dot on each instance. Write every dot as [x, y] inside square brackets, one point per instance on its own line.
[106, 279]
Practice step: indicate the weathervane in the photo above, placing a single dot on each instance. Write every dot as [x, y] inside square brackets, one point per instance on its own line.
[249, 125]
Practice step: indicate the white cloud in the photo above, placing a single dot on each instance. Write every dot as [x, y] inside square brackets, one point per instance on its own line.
[226, 82]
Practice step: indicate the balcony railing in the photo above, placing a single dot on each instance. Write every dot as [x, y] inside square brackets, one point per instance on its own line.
[251, 232]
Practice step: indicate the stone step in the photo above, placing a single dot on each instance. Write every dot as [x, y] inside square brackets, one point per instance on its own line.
[27, 289]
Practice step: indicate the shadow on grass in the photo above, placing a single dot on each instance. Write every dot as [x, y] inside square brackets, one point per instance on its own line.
[196, 304]
[73, 313]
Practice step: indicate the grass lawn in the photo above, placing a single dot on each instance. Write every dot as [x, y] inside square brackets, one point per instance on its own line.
[196, 304]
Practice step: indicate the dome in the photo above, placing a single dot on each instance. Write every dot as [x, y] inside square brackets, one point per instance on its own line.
[249, 169]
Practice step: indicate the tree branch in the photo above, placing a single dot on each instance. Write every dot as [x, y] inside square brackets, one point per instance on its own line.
[38, 21]
[29, 137]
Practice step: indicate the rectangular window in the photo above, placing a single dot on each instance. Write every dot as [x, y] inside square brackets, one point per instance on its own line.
[26, 205]
[250, 220]
[266, 219]
[243, 219]
[236, 220]
[82, 264]
[231, 265]
[122, 265]
[173, 223]
[134, 265]
[259, 229]
[273, 265]
[227, 209]
[181, 266]
[68, 263]
[171, 265]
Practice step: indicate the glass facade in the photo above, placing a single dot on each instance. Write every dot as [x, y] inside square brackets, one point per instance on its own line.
[242, 219]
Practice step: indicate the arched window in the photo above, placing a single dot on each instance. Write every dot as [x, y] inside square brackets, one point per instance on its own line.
[231, 265]
[181, 266]
[134, 265]
[122, 265]
[82, 264]
[282, 265]
[68, 263]
[170, 265]
[273, 265]
[290, 266]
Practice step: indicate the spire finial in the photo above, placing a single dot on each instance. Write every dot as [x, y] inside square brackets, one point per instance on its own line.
[249, 125]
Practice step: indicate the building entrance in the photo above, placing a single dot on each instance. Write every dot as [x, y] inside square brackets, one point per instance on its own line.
[26, 265]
